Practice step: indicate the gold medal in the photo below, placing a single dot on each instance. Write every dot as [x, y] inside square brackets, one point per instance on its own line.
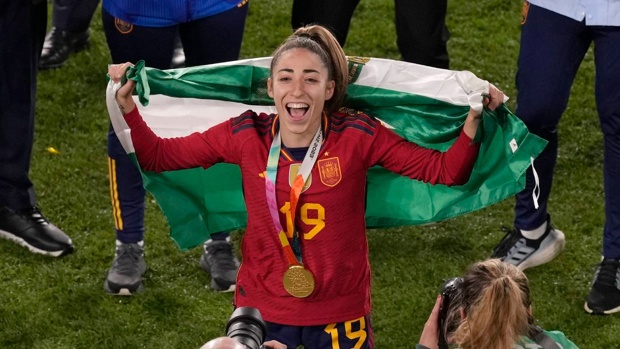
[298, 281]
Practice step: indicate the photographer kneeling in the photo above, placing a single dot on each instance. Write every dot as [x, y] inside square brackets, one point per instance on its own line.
[489, 307]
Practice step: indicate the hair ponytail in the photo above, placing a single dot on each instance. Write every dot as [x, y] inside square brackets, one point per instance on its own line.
[496, 305]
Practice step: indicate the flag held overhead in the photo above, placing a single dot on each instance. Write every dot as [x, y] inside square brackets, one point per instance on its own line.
[423, 104]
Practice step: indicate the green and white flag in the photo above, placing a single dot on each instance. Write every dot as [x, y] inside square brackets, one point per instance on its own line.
[423, 104]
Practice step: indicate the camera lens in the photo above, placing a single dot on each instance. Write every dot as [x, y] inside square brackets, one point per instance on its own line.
[449, 293]
[246, 325]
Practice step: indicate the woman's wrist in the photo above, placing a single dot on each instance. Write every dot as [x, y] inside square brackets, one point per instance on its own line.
[474, 115]
[126, 106]
[471, 124]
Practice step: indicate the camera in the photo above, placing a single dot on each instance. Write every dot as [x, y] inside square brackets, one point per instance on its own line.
[246, 325]
[450, 294]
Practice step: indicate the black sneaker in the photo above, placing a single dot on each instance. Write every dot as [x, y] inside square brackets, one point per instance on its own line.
[604, 297]
[31, 229]
[219, 260]
[59, 44]
[527, 253]
[125, 275]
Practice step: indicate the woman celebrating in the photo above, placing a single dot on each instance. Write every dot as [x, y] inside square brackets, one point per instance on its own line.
[305, 253]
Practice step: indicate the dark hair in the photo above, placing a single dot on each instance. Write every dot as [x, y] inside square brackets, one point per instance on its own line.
[320, 41]
[495, 297]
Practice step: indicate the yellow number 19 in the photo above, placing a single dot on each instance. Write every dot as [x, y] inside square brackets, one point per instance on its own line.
[360, 334]
[318, 223]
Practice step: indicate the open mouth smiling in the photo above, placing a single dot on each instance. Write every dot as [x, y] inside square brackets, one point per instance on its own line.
[297, 110]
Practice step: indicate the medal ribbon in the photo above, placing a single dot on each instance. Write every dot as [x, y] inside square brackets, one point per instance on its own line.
[298, 185]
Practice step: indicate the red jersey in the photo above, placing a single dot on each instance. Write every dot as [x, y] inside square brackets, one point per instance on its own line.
[330, 213]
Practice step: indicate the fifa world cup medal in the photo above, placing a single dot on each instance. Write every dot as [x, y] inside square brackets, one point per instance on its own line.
[298, 281]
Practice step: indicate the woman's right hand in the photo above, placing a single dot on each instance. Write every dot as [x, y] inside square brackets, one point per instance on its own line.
[430, 333]
[124, 98]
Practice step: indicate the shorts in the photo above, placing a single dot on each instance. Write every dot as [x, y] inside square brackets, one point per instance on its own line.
[354, 334]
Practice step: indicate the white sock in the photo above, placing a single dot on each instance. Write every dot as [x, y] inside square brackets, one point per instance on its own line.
[536, 233]
[140, 243]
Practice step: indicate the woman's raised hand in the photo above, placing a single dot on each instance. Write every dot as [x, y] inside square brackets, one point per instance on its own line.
[494, 99]
[118, 73]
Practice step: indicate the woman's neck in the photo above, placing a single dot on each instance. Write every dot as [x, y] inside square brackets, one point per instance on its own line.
[291, 140]
[300, 140]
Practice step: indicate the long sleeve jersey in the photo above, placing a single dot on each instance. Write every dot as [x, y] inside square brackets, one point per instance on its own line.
[330, 212]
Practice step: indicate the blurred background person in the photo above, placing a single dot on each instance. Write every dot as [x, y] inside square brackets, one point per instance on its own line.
[210, 32]
[421, 31]
[555, 37]
[70, 33]
[22, 28]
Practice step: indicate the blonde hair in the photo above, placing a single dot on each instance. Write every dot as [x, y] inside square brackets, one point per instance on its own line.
[495, 298]
[320, 41]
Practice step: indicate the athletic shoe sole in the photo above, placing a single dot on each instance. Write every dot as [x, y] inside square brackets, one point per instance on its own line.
[598, 312]
[8, 236]
[216, 288]
[547, 251]
[123, 291]
[214, 285]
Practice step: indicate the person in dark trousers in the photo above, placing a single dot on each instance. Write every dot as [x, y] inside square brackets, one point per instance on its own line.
[22, 29]
[69, 32]
[421, 30]
[555, 36]
[210, 32]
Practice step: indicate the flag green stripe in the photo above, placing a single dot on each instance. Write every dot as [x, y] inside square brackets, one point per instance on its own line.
[426, 121]
[198, 202]
[238, 83]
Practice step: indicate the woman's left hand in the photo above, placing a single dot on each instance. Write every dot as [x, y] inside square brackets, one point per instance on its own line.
[494, 99]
